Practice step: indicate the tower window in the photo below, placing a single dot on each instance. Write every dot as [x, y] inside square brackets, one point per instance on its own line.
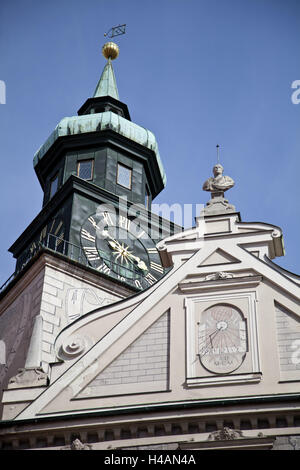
[147, 198]
[85, 169]
[124, 176]
[54, 185]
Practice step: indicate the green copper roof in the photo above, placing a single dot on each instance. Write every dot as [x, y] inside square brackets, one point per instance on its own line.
[101, 121]
[107, 85]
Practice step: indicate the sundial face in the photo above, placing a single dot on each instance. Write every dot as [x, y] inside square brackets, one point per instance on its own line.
[222, 339]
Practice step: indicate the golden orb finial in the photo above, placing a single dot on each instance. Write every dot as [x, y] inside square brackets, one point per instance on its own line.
[110, 50]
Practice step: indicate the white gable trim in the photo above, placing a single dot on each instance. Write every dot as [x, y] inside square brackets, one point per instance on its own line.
[128, 322]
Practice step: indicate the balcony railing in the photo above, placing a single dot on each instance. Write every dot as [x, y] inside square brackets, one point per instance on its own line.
[73, 252]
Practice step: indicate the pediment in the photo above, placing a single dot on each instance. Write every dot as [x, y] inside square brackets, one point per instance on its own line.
[219, 256]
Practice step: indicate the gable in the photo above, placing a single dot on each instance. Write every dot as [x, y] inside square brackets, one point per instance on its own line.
[104, 370]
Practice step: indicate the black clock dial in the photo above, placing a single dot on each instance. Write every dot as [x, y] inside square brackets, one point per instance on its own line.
[118, 247]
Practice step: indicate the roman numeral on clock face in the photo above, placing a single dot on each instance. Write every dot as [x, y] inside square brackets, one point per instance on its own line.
[156, 267]
[91, 253]
[85, 234]
[92, 221]
[124, 222]
[104, 269]
[107, 217]
[150, 279]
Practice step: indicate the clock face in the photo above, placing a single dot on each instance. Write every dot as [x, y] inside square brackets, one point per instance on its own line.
[119, 248]
[222, 337]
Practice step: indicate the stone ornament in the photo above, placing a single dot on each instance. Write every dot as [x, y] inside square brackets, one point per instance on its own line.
[74, 346]
[218, 275]
[29, 377]
[219, 182]
[77, 445]
[228, 434]
[217, 185]
[225, 434]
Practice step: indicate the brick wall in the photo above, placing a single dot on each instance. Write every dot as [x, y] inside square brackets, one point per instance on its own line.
[145, 360]
[288, 339]
[65, 298]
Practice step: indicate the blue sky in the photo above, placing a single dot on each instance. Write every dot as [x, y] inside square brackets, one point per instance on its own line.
[195, 72]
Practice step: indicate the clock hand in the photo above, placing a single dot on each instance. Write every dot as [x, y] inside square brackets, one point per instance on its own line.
[139, 263]
[114, 243]
[121, 249]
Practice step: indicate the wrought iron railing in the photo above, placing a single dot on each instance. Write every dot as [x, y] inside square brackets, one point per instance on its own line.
[66, 248]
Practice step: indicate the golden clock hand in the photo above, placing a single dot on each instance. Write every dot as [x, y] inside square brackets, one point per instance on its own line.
[124, 251]
[140, 263]
[112, 242]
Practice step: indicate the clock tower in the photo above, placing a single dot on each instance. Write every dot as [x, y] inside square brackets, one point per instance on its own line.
[94, 240]
[100, 169]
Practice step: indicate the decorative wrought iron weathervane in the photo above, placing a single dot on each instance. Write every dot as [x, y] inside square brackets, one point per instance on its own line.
[116, 31]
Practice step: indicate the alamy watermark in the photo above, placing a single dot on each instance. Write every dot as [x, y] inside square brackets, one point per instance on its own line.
[296, 94]
[2, 92]
[175, 217]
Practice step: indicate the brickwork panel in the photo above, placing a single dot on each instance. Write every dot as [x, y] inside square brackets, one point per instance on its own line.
[145, 360]
[288, 339]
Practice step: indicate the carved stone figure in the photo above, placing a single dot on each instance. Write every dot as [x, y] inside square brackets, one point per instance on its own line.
[78, 445]
[218, 275]
[217, 185]
[219, 182]
[225, 434]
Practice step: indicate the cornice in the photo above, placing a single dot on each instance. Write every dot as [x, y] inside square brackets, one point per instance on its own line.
[95, 193]
[105, 137]
[193, 285]
[247, 404]
[48, 258]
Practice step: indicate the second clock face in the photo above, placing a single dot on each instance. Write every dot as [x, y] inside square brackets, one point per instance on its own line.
[119, 248]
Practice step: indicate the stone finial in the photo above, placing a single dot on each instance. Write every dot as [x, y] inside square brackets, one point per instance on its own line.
[217, 185]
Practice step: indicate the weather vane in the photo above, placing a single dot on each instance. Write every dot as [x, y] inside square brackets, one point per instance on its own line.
[116, 31]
